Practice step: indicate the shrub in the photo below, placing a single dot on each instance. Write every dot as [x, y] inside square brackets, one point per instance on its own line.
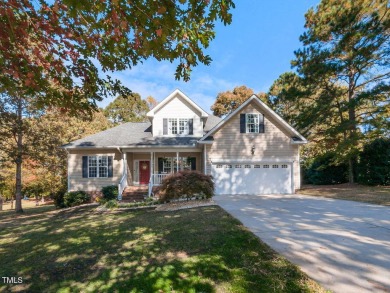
[75, 198]
[111, 204]
[374, 163]
[58, 199]
[110, 192]
[324, 170]
[186, 184]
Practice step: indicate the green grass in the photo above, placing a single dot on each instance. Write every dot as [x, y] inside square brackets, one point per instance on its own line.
[370, 194]
[193, 250]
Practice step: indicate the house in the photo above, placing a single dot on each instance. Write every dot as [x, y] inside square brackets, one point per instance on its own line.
[250, 151]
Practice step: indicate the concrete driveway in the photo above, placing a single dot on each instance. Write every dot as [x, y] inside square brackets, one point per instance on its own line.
[343, 245]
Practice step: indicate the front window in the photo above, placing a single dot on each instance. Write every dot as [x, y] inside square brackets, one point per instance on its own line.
[178, 126]
[254, 123]
[97, 166]
[167, 165]
[172, 125]
[170, 164]
[183, 126]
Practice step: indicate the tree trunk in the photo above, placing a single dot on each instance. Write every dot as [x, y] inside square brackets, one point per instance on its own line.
[1, 203]
[18, 161]
[351, 178]
[352, 126]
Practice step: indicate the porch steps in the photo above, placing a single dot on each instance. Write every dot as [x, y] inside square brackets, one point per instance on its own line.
[134, 193]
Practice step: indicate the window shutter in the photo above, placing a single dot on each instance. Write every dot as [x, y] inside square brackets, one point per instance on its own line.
[110, 169]
[261, 124]
[242, 123]
[160, 165]
[85, 166]
[165, 126]
[191, 126]
[193, 163]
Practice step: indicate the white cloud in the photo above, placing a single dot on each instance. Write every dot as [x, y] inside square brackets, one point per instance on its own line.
[157, 79]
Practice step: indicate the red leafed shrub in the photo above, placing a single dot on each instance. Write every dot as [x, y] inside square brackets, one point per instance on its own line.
[186, 184]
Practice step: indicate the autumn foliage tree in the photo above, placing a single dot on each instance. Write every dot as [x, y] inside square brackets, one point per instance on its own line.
[129, 108]
[52, 53]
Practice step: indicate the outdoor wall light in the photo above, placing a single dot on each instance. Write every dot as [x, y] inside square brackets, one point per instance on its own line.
[253, 150]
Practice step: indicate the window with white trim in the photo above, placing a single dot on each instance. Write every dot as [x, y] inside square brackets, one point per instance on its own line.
[265, 166]
[254, 123]
[275, 166]
[237, 166]
[178, 126]
[172, 125]
[247, 166]
[184, 126]
[284, 166]
[169, 164]
[97, 166]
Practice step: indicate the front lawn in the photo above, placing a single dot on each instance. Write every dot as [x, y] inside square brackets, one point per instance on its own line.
[193, 250]
[356, 192]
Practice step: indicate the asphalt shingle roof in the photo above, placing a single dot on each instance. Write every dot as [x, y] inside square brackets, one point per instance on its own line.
[136, 134]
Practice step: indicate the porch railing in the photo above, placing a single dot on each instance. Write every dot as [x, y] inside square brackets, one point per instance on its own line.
[155, 180]
[122, 185]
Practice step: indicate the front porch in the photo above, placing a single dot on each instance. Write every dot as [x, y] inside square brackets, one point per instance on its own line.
[147, 169]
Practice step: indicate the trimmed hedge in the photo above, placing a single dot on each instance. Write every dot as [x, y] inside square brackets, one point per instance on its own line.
[186, 184]
[75, 198]
[374, 163]
[110, 192]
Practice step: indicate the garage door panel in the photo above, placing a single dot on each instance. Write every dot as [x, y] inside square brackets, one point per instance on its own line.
[252, 179]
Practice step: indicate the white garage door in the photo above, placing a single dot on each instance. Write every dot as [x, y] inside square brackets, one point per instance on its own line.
[252, 179]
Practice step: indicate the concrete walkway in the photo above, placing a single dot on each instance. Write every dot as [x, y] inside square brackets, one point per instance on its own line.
[343, 245]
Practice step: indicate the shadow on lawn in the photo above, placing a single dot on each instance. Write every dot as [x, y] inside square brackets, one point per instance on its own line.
[138, 251]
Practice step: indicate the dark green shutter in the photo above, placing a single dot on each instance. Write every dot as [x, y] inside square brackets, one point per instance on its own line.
[110, 169]
[242, 123]
[193, 163]
[191, 126]
[160, 165]
[261, 124]
[85, 166]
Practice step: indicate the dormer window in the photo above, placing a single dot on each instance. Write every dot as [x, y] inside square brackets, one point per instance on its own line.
[178, 126]
[252, 123]
[172, 125]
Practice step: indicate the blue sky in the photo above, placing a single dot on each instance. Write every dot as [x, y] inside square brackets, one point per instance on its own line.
[253, 51]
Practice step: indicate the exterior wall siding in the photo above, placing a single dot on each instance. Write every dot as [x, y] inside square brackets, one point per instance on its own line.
[75, 176]
[177, 108]
[274, 144]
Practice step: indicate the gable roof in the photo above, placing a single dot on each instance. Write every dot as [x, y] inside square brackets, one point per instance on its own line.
[172, 96]
[296, 136]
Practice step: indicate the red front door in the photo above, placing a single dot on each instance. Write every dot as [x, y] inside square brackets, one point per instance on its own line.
[144, 172]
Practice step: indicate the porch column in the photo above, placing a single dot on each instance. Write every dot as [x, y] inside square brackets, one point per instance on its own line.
[204, 159]
[177, 161]
[151, 164]
[124, 156]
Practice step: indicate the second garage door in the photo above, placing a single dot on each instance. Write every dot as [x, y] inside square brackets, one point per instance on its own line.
[252, 178]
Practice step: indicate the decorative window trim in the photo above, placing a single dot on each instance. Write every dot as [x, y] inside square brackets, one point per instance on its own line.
[178, 126]
[100, 166]
[254, 123]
